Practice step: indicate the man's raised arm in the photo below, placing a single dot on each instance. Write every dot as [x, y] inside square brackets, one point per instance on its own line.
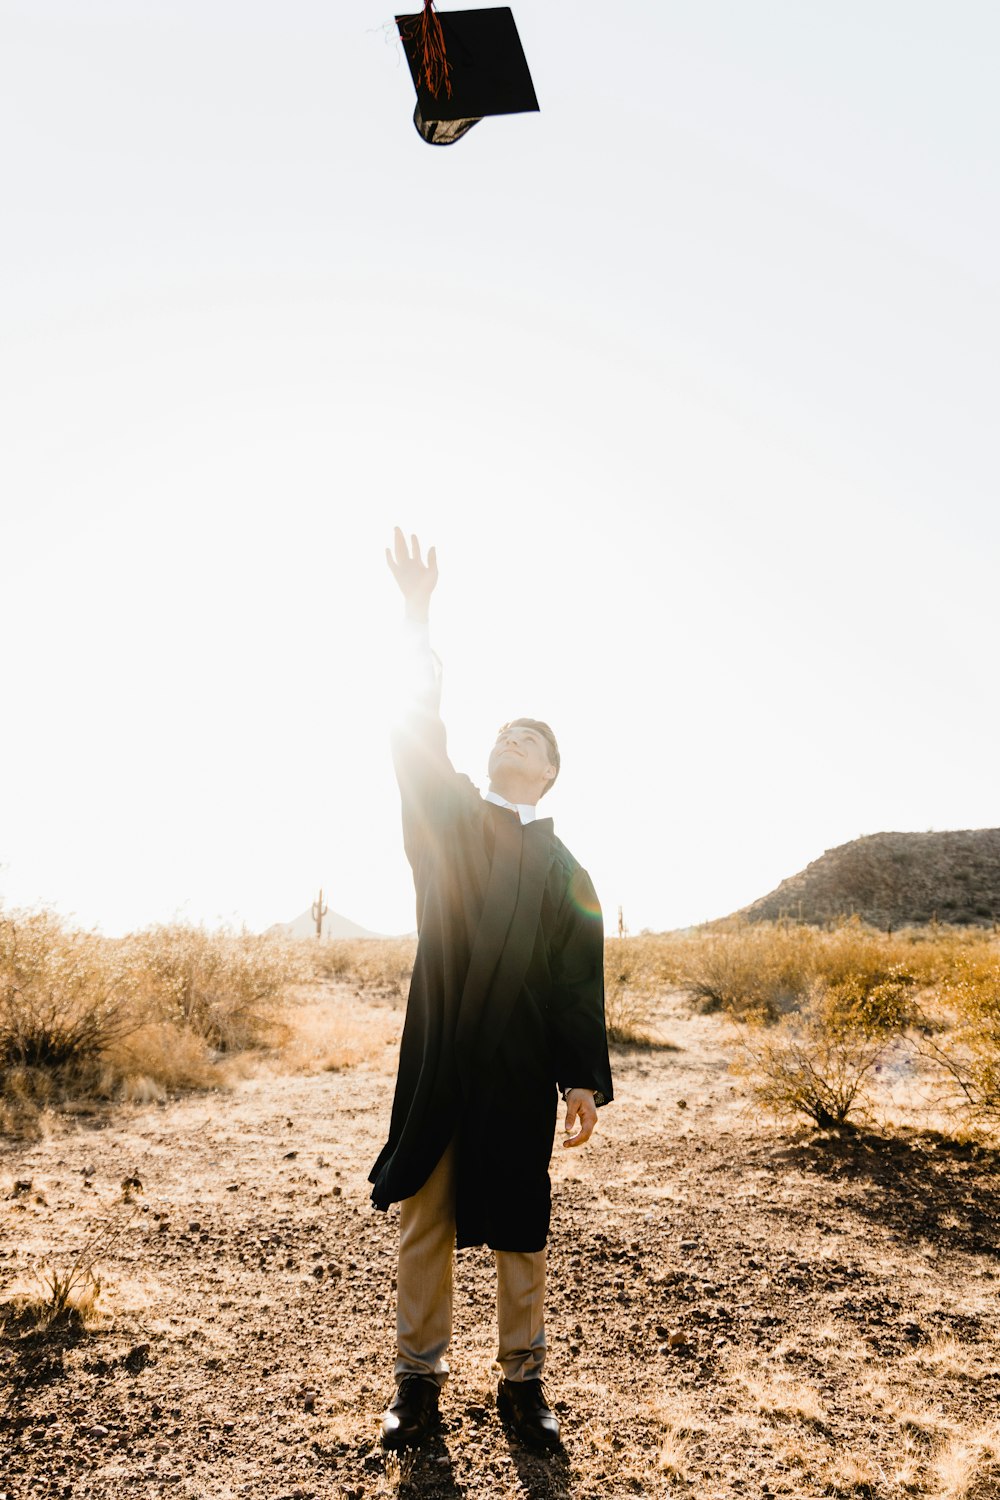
[417, 579]
[428, 782]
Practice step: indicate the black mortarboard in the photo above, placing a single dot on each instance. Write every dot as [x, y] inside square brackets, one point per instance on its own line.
[465, 64]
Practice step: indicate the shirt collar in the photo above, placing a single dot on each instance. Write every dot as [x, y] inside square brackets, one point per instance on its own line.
[525, 811]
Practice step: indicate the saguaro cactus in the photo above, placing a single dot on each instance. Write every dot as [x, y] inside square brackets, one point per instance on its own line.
[319, 911]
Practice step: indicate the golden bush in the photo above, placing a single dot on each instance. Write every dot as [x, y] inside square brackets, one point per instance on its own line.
[801, 1065]
[64, 996]
[380, 966]
[966, 1049]
[224, 986]
[127, 1018]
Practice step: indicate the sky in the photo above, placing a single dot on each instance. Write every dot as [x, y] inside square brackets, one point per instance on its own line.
[691, 377]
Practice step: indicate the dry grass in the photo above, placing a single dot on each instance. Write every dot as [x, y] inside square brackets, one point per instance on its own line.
[380, 967]
[170, 1008]
[135, 1018]
[765, 971]
[820, 1010]
[680, 1426]
[775, 1390]
[327, 1032]
[68, 1294]
[968, 1467]
[64, 996]
[226, 987]
[965, 1046]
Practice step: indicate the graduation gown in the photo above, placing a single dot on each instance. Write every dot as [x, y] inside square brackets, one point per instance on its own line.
[506, 1003]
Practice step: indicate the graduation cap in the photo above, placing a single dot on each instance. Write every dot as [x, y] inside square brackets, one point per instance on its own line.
[465, 64]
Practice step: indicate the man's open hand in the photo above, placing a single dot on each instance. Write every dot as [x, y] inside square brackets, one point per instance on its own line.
[581, 1116]
[416, 578]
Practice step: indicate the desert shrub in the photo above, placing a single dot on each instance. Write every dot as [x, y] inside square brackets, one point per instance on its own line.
[766, 971]
[327, 959]
[844, 1000]
[157, 1059]
[64, 996]
[628, 1017]
[224, 986]
[753, 971]
[637, 970]
[966, 1052]
[866, 1005]
[801, 1065]
[380, 966]
[336, 1032]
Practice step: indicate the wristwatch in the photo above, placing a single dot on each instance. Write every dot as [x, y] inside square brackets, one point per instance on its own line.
[599, 1098]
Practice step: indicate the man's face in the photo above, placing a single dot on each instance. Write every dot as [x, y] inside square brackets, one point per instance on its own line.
[521, 757]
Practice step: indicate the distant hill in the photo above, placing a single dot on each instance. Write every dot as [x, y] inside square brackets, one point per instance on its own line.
[894, 879]
[334, 926]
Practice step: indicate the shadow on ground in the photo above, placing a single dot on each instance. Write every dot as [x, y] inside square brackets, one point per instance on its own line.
[922, 1186]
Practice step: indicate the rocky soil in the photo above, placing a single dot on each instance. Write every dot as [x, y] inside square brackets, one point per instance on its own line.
[736, 1308]
[893, 880]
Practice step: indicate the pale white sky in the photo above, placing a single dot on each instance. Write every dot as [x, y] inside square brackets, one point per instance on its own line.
[692, 378]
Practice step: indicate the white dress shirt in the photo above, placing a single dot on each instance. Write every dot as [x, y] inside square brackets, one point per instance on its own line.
[525, 810]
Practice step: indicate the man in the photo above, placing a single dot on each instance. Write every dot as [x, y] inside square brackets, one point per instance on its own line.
[506, 1006]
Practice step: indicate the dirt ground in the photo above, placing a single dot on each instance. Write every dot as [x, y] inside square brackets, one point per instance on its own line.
[736, 1308]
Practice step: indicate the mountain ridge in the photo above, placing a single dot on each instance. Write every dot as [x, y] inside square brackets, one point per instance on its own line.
[894, 880]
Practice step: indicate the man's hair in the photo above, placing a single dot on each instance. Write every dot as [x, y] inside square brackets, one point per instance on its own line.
[540, 727]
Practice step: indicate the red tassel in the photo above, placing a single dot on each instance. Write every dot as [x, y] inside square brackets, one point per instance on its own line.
[435, 71]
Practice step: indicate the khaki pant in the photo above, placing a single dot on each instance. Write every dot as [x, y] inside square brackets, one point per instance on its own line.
[424, 1288]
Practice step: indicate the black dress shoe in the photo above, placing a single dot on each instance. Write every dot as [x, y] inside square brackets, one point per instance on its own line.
[412, 1414]
[522, 1405]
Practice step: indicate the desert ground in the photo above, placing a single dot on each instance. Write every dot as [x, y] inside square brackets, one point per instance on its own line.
[737, 1306]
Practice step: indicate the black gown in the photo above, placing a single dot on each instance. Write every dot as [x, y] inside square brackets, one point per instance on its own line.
[506, 1003]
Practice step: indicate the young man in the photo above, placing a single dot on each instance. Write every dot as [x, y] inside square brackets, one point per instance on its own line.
[506, 1007]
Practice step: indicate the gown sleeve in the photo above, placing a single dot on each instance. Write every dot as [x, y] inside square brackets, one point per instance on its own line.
[576, 1002]
[432, 792]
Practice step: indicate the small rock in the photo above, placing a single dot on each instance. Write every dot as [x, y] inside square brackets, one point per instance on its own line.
[689, 1244]
[677, 1339]
[194, 1227]
[97, 1431]
[232, 1187]
[290, 1155]
[682, 1104]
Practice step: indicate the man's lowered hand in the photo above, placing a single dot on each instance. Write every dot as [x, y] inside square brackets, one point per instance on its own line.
[581, 1116]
